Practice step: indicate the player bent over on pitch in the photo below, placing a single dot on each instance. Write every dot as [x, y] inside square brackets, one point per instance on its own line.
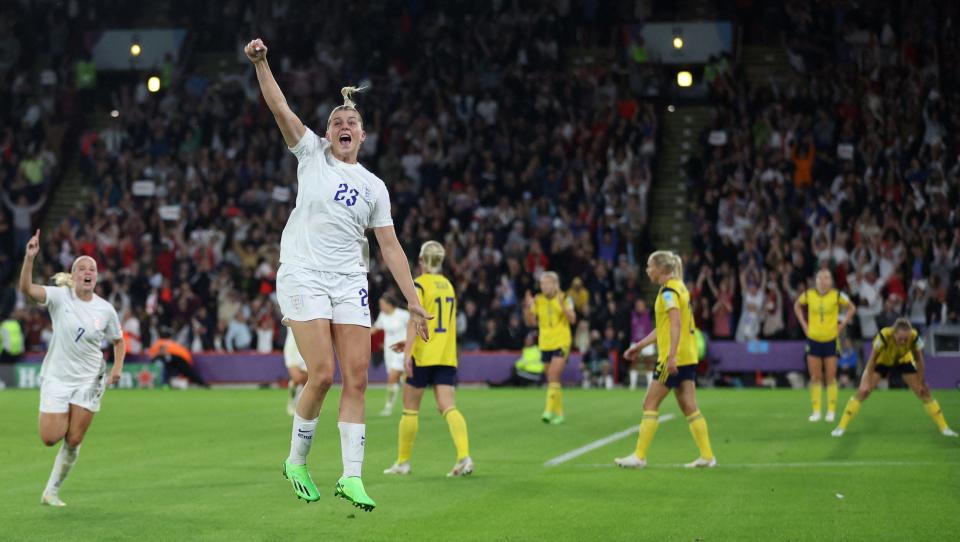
[897, 349]
[677, 363]
[432, 364]
[322, 280]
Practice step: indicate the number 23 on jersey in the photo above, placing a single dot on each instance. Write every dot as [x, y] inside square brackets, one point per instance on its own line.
[346, 194]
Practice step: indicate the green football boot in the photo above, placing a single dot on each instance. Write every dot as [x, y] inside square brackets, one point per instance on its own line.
[557, 419]
[547, 416]
[300, 479]
[351, 489]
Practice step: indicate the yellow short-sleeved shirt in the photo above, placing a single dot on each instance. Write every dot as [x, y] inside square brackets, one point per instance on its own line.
[552, 321]
[823, 313]
[440, 300]
[674, 295]
[889, 353]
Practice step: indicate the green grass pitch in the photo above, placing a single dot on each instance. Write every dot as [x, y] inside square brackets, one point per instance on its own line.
[205, 465]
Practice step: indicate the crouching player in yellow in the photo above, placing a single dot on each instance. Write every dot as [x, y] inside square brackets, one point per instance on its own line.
[432, 363]
[896, 349]
[677, 363]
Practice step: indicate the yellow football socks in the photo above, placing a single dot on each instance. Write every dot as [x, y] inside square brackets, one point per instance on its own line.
[849, 412]
[648, 428]
[832, 397]
[698, 428]
[816, 391]
[409, 423]
[555, 398]
[933, 409]
[458, 430]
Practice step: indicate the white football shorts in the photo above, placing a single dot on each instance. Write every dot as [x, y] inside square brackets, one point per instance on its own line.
[305, 294]
[393, 360]
[56, 396]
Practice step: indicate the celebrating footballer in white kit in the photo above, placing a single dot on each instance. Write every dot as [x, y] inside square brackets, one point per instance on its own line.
[393, 321]
[73, 375]
[322, 283]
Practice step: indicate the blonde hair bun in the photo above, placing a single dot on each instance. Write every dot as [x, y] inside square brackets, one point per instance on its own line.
[348, 103]
[432, 254]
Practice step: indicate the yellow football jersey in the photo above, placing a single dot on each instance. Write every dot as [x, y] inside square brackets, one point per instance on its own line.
[823, 313]
[552, 321]
[890, 353]
[674, 295]
[440, 300]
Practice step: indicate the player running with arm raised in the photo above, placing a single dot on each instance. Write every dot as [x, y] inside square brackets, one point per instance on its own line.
[74, 376]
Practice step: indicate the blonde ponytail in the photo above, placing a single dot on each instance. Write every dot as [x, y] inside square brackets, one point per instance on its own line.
[668, 261]
[678, 271]
[348, 103]
[348, 92]
[432, 254]
[64, 279]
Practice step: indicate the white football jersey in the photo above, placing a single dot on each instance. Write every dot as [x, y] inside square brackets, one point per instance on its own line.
[394, 327]
[79, 331]
[336, 203]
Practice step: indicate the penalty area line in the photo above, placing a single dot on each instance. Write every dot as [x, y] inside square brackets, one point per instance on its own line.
[560, 459]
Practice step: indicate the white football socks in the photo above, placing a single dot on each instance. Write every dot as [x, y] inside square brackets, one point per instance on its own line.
[66, 457]
[301, 439]
[352, 439]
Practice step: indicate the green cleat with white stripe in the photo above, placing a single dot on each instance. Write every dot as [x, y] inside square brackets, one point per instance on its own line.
[351, 489]
[300, 479]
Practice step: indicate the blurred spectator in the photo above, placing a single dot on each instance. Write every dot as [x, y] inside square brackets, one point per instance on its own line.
[526, 371]
[753, 289]
[176, 360]
[12, 340]
[848, 363]
[238, 336]
[22, 212]
[595, 364]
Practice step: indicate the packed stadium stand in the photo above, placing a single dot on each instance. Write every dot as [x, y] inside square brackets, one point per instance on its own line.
[495, 150]
[848, 164]
[520, 155]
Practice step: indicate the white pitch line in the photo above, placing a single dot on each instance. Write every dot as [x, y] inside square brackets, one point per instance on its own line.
[599, 443]
[798, 465]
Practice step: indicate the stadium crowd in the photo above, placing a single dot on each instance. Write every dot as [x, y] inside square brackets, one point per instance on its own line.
[519, 159]
[486, 142]
[851, 166]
